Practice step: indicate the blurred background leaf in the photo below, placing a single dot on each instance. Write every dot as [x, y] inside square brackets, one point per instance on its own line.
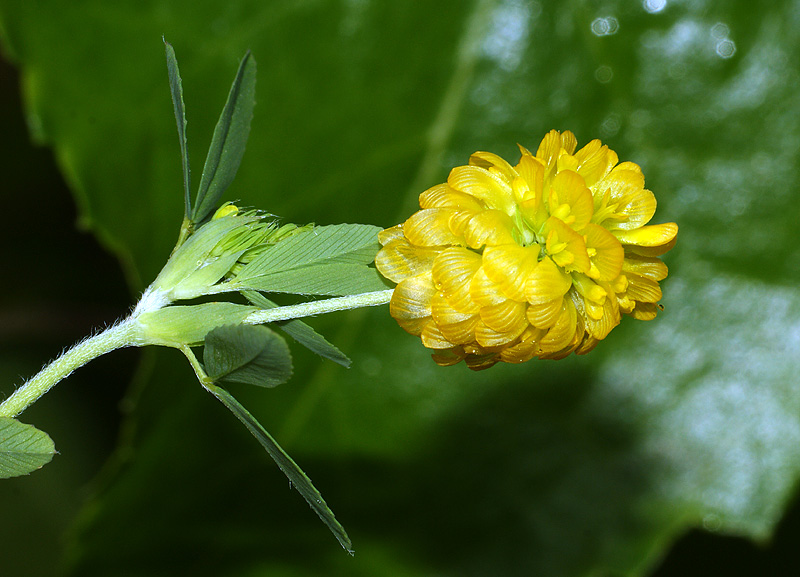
[592, 465]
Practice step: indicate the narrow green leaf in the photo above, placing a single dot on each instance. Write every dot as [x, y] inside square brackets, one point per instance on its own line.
[320, 279]
[295, 474]
[229, 140]
[253, 355]
[340, 243]
[176, 89]
[23, 448]
[301, 332]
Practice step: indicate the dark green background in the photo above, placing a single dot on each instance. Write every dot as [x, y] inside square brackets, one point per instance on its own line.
[586, 466]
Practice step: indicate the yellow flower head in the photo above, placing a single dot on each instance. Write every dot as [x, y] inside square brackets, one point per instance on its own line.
[507, 263]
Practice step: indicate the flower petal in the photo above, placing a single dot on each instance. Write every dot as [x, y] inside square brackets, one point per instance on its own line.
[544, 315]
[484, 185]
[433, 338]
[650, 267]
[642, 289]
[566, 247]
[547, 282]
[488, 337]
[483, 290]
[563, 331]
[389, 234]
[606, 253]
[490, 227]
[651, 236]
[412, 298]
[452, 273]
[429, 227]
[505, 317]
[443, 196]
[491, 161]
[570, 200]
[400, 259]
[455, 326]
[509, 266]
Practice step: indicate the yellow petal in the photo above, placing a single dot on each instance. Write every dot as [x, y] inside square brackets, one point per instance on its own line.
[506, 317]
[443, 196]
[488, 337]
[653, 235]
[491, 161]
[490, 227]
[484, 185]
[412, 299]
[399, 259]
[389, 234]
[449, 357]
[622, 202]
[587, 345]
[595, 161]
[650, 267]
[544, 315]
[484, 291]
[430, 227]
[589, 288]
[432, 337]
[546, 283]
[645, 311]
[563, 331]
[568, 142]
[599, 325]
[570, 200]
[481, 362]
[549, 149]
[642, 289]
[510, 266]
[455, 326]
[452, 273]
[607, 252]
[566, 247]
[525, 349]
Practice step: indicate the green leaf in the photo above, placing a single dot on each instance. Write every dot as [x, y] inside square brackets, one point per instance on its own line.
[176, 90]
[252, 355]
[23, 448]
[229, 141]
[295, 474]
[320, 279]
[327, 260]
[355, 244]
[301, 332]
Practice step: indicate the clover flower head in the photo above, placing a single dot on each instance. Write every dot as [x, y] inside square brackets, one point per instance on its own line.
[506, 263]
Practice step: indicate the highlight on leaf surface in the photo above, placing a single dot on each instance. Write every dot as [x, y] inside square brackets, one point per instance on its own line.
[505, 263]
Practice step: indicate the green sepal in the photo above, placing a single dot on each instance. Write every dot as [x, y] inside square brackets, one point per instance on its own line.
[327, 260]
[177, 326]
[248, 354]
[286, 464]
[301, 332]
[176, 90]
[23, 448]
[229, 140]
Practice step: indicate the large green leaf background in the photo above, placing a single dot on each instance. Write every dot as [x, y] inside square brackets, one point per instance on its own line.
[586, 466]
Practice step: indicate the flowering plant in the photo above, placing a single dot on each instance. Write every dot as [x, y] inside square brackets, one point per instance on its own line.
[501, 263]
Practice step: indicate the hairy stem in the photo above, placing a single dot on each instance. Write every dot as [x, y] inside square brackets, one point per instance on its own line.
[320, 307]
[115, 337]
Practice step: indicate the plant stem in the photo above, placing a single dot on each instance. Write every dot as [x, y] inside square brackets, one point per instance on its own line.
[115, 337]
[320, 307]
